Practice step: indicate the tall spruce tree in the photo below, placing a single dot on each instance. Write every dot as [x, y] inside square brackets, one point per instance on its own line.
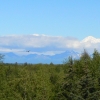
[68, 88]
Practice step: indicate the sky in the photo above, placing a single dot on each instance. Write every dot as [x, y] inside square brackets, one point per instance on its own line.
[66, 18]
[49, 26]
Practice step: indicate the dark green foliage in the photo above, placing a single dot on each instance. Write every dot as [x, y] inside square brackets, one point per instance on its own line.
[73, 80]
[85, 56]
[29, 82]
[82, 80]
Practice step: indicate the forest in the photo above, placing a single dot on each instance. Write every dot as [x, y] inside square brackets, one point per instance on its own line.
[75, 79]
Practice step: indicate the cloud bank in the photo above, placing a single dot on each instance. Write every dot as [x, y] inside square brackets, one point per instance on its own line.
[43, 44]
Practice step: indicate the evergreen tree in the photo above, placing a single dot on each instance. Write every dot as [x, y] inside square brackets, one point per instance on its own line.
[1, 58]
[68, 88]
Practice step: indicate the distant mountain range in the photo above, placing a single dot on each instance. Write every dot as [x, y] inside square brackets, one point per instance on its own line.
[35, 58]
[36, 48]
[17, 52]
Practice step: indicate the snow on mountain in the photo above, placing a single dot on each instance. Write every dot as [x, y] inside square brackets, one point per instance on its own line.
[91, 39]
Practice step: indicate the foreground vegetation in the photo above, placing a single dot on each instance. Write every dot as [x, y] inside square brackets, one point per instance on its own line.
[73, 80]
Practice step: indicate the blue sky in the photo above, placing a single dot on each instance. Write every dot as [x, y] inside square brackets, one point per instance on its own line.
[74, 18]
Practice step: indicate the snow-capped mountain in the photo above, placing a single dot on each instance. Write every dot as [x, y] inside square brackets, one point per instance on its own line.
[91, 39]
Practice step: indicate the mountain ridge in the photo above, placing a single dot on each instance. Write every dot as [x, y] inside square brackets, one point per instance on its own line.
[35, 58]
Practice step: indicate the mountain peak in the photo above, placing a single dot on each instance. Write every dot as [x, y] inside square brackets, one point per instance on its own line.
[91, 39]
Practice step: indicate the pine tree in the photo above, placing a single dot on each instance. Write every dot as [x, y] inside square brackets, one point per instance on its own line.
[68, 88]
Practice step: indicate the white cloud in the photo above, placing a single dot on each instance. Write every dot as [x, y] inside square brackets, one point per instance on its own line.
[2, 49]
[35, 40]
[20, 43]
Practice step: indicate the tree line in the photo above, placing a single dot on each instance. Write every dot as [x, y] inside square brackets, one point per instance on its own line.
[76, 79]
